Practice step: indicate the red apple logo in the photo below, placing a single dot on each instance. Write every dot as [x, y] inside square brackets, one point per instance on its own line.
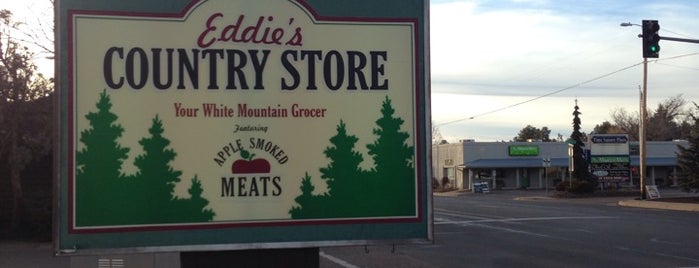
[250, 165]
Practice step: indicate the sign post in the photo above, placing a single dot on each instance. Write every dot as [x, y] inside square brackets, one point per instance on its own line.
[210, 125]
[546, 163]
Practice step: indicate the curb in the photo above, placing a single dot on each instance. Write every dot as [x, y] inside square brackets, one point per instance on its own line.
[450, 193]
[659, 205]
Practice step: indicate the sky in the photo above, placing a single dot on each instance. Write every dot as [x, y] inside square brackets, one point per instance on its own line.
[498, 66]
[489, 55]
[33, 15]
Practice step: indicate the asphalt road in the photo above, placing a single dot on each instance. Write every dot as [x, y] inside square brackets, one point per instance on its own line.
[520, 229]
[503, 229]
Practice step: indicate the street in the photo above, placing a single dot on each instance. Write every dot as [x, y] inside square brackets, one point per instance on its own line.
[525, 229]
[501, 229]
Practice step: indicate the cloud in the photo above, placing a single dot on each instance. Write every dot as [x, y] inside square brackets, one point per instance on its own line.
[515, 50]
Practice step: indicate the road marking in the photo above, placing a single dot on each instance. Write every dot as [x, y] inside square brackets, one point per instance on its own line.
[585, 231]
[439, 221]
[465, 215]
[519, 231]
[657, 254]
[337, 261]
[664, 242]
[480, 224]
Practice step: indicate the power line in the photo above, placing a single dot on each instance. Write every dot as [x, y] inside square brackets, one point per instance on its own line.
[675, 57]
[684, 35]
[542, 96]
[563, 89]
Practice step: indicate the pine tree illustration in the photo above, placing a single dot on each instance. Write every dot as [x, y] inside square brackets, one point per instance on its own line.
[305, 200]
[155, 178]
[98, 168]
[195, 207]
[344, 179]
[155, 181]
[387, 190]
[343, 175]
[393, 170]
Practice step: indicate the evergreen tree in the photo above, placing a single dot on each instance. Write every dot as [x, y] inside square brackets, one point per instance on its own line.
[688, 159]
[98, 165]
[580, 171]
[393, 172]
[155, 178]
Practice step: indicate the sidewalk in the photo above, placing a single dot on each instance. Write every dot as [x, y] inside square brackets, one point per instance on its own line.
[21, 254]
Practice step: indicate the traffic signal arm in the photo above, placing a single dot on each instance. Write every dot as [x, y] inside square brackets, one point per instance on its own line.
[696, 41]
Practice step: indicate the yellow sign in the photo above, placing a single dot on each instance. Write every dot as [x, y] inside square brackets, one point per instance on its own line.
[240, 112]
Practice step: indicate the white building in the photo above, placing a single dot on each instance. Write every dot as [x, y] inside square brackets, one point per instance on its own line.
[512, 165]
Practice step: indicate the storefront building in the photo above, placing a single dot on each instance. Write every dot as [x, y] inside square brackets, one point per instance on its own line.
[537, 165]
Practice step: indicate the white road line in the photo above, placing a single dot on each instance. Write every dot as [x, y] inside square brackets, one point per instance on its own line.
[446, 221]
[459, 215]
[655, 240]
[657, 254]
[480, 224]
[337, 261]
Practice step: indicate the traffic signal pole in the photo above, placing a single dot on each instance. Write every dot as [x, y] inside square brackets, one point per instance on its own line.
[650, 49]
[642, 131]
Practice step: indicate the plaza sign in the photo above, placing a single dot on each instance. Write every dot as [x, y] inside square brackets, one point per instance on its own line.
[609, 157]
[232, 124]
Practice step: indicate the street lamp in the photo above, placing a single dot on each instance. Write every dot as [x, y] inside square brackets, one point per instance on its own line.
[626, 24]
[643, 123]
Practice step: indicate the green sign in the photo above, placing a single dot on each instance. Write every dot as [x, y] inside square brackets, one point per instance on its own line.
[233, 124]
[610, 159]
[524, 150]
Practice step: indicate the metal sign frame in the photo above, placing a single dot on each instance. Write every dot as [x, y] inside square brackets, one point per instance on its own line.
[77, 234]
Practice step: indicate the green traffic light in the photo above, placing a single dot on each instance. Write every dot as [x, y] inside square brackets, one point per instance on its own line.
[651, 48]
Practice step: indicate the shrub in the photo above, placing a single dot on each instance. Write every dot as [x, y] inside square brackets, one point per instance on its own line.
[581, 187]
[562, 186]
[445, 182]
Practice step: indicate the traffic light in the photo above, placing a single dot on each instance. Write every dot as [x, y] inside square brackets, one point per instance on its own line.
[651, 48]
